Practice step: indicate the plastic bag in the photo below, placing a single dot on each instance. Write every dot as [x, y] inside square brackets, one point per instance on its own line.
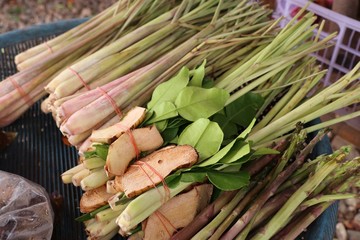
[25, 209]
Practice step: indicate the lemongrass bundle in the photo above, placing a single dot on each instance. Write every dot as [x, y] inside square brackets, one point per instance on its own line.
[209, 43]
[41, 63]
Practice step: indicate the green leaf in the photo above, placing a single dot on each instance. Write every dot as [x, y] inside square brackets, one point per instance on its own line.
[168, 91]
[239, 150]
[243, 110]
[205, 136]
[229, 128]
[161, 125]
[199, 74]
[208, 82]
[265, 151]
[247, 130]
[194, 102]
[169, 134]
[177, 122]
[218, 156]
[225, 150]
[193, 177]
[228, 181]
[163, 111]
[101, 151]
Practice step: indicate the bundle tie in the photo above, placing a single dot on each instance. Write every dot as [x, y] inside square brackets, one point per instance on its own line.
[111, 101]
[21, 91]
[164, 219]
[80, 78]
[166, 188]
[49, 47]
[133, 143]
[128, 131]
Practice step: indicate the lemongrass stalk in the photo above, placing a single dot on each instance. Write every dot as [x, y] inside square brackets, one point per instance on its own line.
[92, 35]
[67, 175]
[239, 208]
[341, 174]
[113, 202]
[89, 222]
[296, 227]
[28, 80]
[298, 178]
[121, 44]
[273, 205]
[160, 66]
[144, 205]
[94, 162]
[124, 42]
[75, 140]
[301, 94]
[19, 108]
[294, 114]
[271, 189]
[277, 222]
[260, 163]
[313, 128]
[340, 103]
[284, 35]
[279, 105]
[143, 58]
[270, 70]
[72, 84]
[280, 79]
[95, 179]
[327, 198]
[76, 31]
[70, 106]
[224, 80]
[100, 229]
[79, 176]
[209, 229]
[107, 214]
[297, 140]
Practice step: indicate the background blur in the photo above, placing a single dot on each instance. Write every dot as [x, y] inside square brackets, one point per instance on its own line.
[16, 14]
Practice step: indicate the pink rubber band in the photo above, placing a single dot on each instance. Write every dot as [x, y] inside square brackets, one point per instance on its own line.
[48, 46]
[166, 188]
[80, 78]
[111, 101]
[21, 91]
[161, 217]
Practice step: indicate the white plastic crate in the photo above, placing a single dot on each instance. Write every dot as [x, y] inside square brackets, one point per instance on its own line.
[345, 53]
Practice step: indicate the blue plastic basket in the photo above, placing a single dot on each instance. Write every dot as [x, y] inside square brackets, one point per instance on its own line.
[39, 155]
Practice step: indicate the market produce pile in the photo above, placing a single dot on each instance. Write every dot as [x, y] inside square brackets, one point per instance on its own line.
[190, 118]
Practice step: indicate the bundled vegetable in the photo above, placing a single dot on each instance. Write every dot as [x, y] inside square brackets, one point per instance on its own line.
[206, 135]
[207, 29]
[40, 64]
[182, 113]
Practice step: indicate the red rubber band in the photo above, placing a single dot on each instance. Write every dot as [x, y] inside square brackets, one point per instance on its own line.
[166, 188]
[133, 142]
[161, 217]
[80, 78]
[48, 46]
[113, 103]
[21, 91]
